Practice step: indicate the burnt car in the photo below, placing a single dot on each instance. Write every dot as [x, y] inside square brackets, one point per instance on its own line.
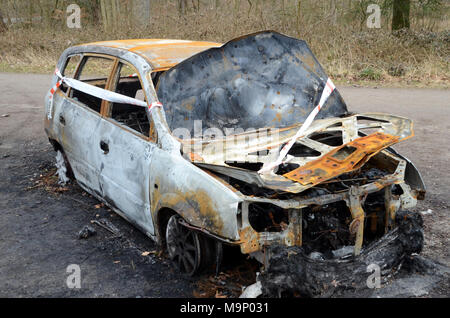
[180, 137]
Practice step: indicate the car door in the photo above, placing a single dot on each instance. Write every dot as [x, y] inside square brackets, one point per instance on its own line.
[79, 119]
[124, 170]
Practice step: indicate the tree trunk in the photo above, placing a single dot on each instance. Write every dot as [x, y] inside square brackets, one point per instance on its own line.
[141, 13]
[108, 7]
[3, 26]
[333, 12]
[400, 16]
[216, 7]
[196, 5]
[111, 17]
[298, 15]
[30, 13]
[182, 7]
[104, 14]
[52, 13]
[114, 12]
[237, 6]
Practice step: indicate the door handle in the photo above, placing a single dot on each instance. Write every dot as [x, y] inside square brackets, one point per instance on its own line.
[104, 146]
[62, 120]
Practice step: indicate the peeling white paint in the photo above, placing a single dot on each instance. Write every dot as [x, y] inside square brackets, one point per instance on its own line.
[252, 291]
[61, 168]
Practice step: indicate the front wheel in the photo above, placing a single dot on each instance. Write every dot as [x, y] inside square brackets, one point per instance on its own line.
[183, 246]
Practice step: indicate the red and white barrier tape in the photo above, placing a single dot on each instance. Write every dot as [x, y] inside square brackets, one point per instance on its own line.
[52, 92]
[327, 90]
[155, 104]
[97, 92]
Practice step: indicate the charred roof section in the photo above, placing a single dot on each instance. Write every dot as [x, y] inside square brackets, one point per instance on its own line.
[260, 80]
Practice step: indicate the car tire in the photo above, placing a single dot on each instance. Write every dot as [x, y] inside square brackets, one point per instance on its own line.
[184, 246]
[208, 253]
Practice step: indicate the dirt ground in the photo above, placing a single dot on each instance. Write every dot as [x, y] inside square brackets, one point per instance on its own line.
[39, 225]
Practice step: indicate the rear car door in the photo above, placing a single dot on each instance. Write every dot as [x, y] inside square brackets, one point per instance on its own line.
[125, 166]
[79, 121]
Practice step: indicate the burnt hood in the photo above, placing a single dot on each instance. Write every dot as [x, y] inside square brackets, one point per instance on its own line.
[259, 80]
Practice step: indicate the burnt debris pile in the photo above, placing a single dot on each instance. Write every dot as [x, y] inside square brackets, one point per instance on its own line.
[293, 271]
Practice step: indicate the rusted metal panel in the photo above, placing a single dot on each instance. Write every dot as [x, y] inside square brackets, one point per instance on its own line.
[160, 53]
[343, 159]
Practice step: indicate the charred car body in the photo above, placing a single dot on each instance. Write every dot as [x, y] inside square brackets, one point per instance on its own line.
[189, 173]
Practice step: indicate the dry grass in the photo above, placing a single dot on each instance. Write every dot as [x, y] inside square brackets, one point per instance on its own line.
[350, 53]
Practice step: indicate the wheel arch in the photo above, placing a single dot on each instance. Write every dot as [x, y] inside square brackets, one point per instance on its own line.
[57, 147]
[166, 205]
[55, 144]
[162, 218]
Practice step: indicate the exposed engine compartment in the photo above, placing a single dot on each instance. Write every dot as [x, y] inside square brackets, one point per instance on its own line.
[292, 271]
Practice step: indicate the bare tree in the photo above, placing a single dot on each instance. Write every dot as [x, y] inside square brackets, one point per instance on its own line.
[196, 5]
[182, 4]
[105, 20]
[110, 10]
[30, 13]
[52, 14]
[298, 14]
[141, 13]
[333, 12]
[3, 26]
[237, 7]
[400, 15]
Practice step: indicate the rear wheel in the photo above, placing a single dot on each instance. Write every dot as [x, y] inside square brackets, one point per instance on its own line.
[64, 170]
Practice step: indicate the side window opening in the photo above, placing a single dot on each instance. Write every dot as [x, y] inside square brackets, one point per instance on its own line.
[132, 116]
[94, 71]
[70, 69]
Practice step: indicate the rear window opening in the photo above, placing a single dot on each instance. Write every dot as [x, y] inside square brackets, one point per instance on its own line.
[70, 70]
[132, 116]
[95, 71]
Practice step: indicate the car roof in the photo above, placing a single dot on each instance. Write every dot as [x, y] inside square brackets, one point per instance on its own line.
[160, 53]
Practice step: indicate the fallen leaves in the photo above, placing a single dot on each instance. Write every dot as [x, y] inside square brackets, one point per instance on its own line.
[48, 181]
[156, 253]
[219, 295]
[148, 253]
[335, 283]
[228, 284]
